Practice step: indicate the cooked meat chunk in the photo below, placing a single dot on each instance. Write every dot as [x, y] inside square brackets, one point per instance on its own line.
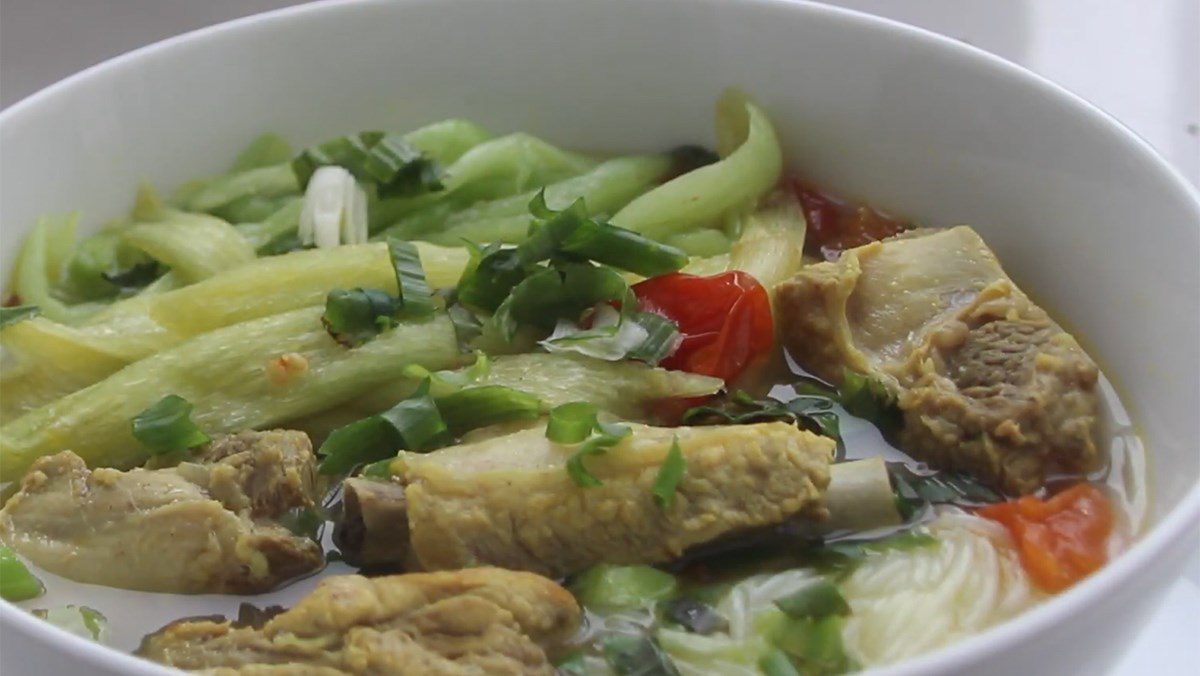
[202, 526]
[373, 530]
[510, 501]
[987, 382]
[477, 621]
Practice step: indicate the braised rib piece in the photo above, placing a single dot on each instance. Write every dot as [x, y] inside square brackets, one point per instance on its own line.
[477, 621]
[988, 383]
[510, 502]
[205, 525]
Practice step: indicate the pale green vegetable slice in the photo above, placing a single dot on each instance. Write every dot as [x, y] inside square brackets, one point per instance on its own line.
[229, 377]
[606, 188]
[194, 246]
[137, 327]
[750, 166]
[39, 266]
[771, 247]
[47, 360]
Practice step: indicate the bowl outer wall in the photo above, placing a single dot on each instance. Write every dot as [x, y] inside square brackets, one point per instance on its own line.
[1080, 210]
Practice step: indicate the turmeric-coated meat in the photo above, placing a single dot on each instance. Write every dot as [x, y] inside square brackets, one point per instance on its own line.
[481, 621]
[206, 525]
[987, 382]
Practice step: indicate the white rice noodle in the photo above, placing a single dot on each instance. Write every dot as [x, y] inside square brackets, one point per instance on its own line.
[908, 602]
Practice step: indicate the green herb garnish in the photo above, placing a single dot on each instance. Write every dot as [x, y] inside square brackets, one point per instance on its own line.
[571, 423]
[415, 298]
[16, 582]
[817, 600]
[385, 160]
[167, 426]
[669, 475]
[610, 435]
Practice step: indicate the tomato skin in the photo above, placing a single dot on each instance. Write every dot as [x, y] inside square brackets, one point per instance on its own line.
[725, 320]
[834, 225]
[1061, 540]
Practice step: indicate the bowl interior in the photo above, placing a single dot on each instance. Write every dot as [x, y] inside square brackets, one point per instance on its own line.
[1082, 214]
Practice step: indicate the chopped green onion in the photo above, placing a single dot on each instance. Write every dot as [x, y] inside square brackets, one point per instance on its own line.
[669, 475]
[571, 423]
[362, 441]
[610, 586]
[12, 315]
[415, 296]
[490, 275]
[418, 421]
[869, 398]
[381, 469]
[16, 582]
[475, 407]
[777, 663]
[818, 600]
[637, 656]
[549, 295]
[810, 411]
[610, 435]
[166, 426]
[384, 159]
[414, 424]
[915, 489]
[443, 383]
[79, 620]
[355, 316]
[661, 340]
[844, 556]
[467, 326]
[571, 232]
[815, 646]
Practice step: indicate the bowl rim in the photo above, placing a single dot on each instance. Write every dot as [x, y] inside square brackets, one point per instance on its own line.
[1174, 525]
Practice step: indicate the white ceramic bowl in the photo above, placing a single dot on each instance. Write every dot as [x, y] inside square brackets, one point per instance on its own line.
[1081, 211]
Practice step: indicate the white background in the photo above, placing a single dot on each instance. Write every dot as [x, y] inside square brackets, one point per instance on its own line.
[1137, 59]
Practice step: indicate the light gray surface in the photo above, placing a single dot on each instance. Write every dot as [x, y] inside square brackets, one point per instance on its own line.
[42, 41]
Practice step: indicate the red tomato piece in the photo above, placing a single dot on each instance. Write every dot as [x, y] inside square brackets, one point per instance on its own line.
[1061, 540]
[725, 320]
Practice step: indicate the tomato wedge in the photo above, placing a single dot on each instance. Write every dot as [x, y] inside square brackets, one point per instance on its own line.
[1061, 540]
[725, 320]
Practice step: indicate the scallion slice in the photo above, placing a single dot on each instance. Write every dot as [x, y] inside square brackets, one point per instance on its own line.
[415, 297]
[776, 663]
[571, 232]
[384, 159]
[418, 421]
[816, 601]
[16, 582]
[475, 407]
[362, 441]
[354, 316]
[572, 422]
[167, 426]
[669, 475]
[610, 435]
[662, 337]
